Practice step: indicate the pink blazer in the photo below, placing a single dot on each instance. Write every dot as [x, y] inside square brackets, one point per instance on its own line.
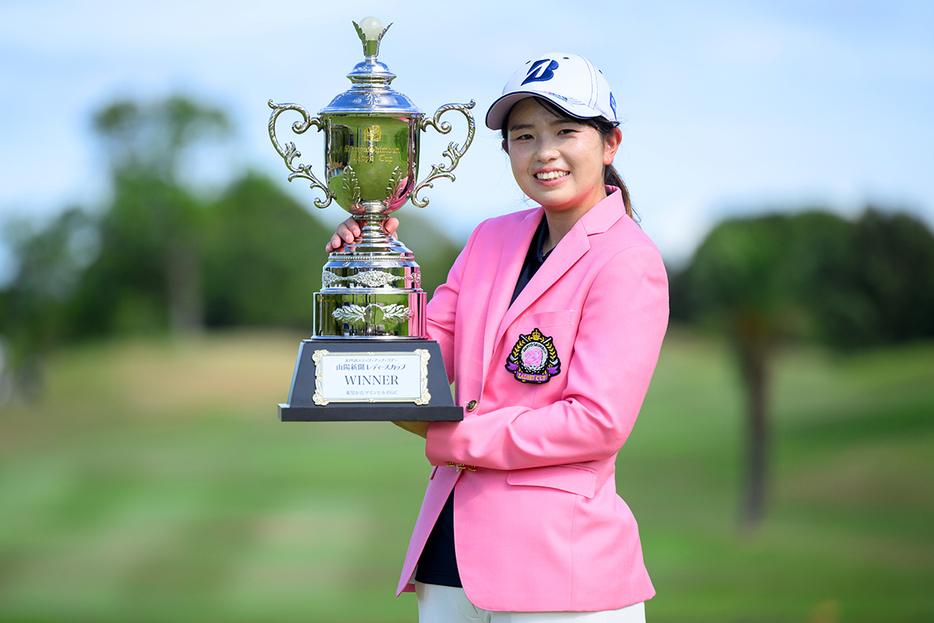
[538, 524]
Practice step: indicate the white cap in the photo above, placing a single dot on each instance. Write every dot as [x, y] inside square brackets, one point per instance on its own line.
[570, 81]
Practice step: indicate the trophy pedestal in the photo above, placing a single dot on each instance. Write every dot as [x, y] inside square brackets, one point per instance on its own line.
[341, 380]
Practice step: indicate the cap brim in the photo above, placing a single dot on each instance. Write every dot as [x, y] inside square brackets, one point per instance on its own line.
[496, 115]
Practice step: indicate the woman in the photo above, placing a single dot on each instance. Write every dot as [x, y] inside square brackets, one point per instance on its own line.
[550, 324]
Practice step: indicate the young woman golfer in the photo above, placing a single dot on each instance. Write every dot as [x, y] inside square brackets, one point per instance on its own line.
[550, 323]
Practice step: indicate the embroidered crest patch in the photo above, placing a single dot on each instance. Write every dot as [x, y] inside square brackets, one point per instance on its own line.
[533, 359]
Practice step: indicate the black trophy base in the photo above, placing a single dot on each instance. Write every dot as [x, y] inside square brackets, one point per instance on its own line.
[301, 406]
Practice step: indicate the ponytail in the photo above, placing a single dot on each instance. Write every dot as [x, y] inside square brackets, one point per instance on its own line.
[611, 177]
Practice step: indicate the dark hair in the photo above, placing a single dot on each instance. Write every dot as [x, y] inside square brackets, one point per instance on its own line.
[602, 125]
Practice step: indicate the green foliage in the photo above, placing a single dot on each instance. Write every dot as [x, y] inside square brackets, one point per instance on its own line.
[735, 282]
[813, 276]
[158, 257]
[264, 254]
[809, 276]
[127, 288]
[35, 305]
[152, 139]
[893, 270]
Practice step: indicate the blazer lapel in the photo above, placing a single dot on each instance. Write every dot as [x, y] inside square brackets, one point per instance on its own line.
[510, 262]
[571, 248]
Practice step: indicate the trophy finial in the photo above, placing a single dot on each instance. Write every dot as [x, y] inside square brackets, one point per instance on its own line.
[371, 31]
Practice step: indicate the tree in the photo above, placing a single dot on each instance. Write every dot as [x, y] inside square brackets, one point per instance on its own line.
[761, 281]
[154, 223]
[156, 256]
[35, 306]
[893, 267]
[264, 254]
[810, 276]
[739, 285]
[153, 139]
[147, 275]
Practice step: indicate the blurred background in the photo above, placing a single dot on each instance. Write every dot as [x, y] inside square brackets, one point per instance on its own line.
[157, 273]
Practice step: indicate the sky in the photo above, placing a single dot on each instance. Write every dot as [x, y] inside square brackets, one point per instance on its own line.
[728, 108]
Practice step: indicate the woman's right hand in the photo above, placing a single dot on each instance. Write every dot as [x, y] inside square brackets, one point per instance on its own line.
[350, 230]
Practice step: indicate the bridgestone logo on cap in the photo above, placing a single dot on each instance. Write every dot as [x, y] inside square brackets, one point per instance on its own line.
[540, 73]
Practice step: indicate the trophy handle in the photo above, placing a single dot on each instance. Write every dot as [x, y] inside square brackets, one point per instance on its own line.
[453, 152]
[290, 152]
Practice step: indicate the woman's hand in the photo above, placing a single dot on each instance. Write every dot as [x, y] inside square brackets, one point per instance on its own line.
[349, 231]
[419, 428]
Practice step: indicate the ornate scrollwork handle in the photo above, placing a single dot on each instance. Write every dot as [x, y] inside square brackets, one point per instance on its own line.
[452, 153]
[289, 152]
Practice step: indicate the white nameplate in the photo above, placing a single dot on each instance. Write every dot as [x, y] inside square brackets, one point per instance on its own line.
[371, 377]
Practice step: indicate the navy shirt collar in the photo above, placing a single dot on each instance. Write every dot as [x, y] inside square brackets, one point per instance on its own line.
[534, 258]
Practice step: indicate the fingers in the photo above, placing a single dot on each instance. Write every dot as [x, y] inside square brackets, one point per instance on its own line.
[347, 232]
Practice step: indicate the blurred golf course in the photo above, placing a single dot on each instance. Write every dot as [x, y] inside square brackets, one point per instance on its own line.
[152, 481]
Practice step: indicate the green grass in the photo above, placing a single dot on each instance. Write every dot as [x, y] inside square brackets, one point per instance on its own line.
[153, 482]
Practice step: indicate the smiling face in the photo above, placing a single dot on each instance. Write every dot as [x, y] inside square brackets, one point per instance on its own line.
[557, 162]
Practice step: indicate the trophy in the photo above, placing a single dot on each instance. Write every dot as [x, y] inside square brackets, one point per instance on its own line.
[370, 342]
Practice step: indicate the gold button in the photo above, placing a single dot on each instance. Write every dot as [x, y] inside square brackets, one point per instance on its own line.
[472, 405]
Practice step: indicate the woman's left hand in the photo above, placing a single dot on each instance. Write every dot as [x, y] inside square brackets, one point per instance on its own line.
[350, 230]
[419, 428]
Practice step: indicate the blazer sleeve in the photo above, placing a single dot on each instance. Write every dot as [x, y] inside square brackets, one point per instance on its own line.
[619, 337]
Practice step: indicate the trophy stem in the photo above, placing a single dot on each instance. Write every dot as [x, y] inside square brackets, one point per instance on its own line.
[373, 232]
[373, 239]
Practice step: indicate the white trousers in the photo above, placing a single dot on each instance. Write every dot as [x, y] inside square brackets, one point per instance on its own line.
[446, 604]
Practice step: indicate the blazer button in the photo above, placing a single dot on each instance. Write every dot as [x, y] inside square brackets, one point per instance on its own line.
[472, 405]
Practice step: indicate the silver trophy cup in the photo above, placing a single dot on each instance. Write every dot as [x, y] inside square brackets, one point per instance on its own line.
[370, 340]
[371, 289]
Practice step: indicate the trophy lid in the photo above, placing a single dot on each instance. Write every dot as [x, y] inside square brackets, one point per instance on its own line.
[370, 93]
